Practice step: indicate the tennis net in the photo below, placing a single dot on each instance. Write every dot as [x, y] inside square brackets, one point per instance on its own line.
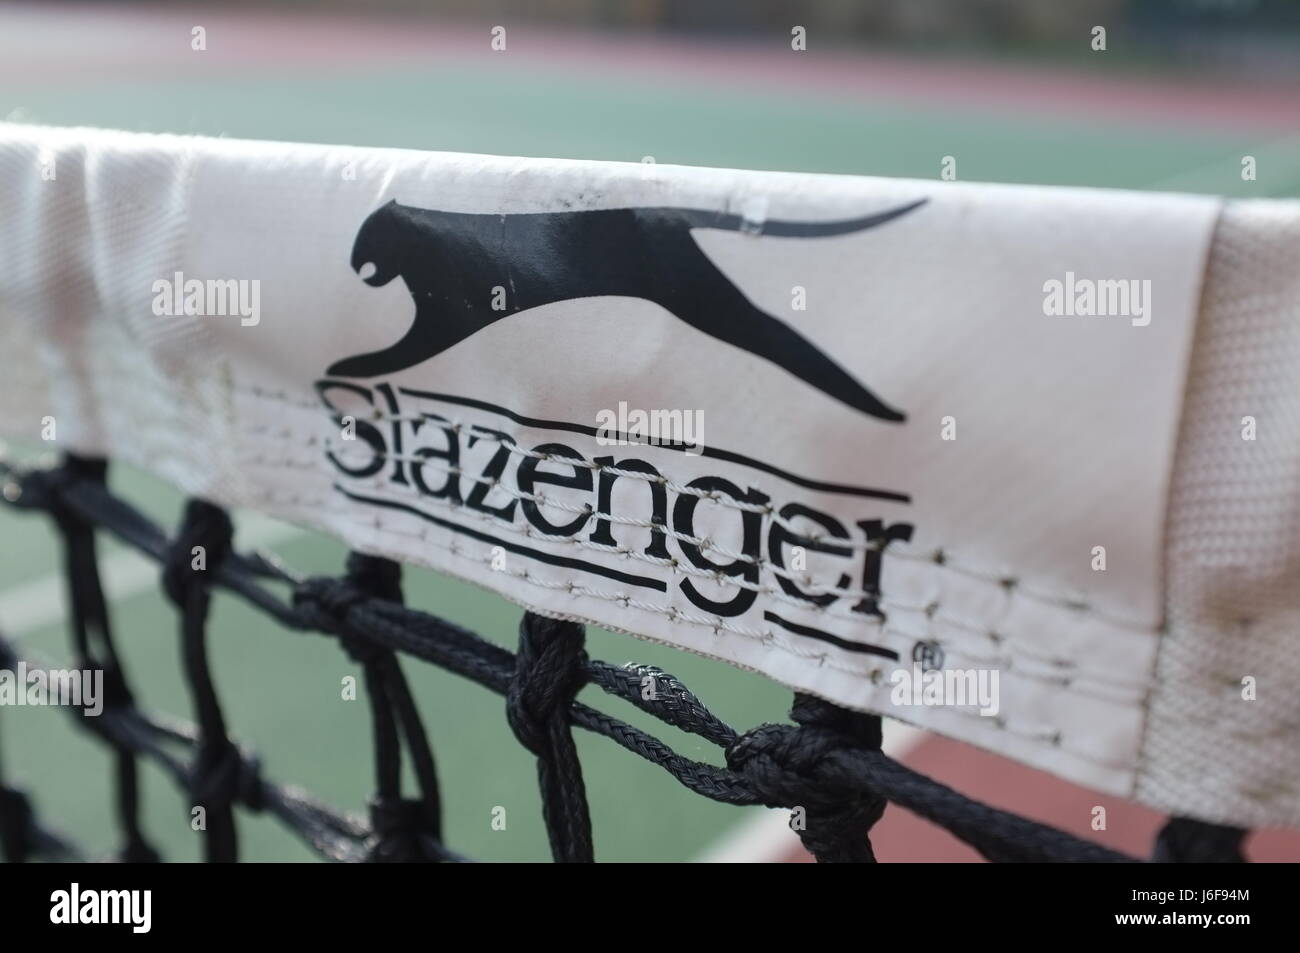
[933, 415]
[828, 762]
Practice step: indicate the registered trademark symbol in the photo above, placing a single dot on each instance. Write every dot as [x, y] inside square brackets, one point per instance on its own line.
[928, 655]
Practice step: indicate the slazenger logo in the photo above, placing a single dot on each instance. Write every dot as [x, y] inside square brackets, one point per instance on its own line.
[719, 544]
[447, 260]
[459, 464]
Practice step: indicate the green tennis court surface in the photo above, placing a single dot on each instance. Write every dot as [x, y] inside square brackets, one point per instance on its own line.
[282, 691]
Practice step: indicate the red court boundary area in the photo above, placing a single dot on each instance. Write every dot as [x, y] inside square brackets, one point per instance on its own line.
[903, 837]
[53, 44]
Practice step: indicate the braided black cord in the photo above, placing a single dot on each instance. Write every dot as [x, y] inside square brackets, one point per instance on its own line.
[828, 763]
[1186, 841]
[205, 539]
[404, 830]
[333, 836]
[548, 674]
[21, 835]
[16, 820]
[91, 630]
[836, 817]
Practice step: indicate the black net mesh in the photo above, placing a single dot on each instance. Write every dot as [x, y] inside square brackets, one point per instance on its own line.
[827, 761]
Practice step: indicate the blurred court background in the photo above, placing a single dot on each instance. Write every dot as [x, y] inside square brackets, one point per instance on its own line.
[1011, 89]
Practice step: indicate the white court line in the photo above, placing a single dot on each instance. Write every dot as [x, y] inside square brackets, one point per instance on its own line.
[41, 602]
[766, 837]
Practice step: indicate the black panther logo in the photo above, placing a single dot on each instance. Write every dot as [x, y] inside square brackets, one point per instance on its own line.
[450, 260]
